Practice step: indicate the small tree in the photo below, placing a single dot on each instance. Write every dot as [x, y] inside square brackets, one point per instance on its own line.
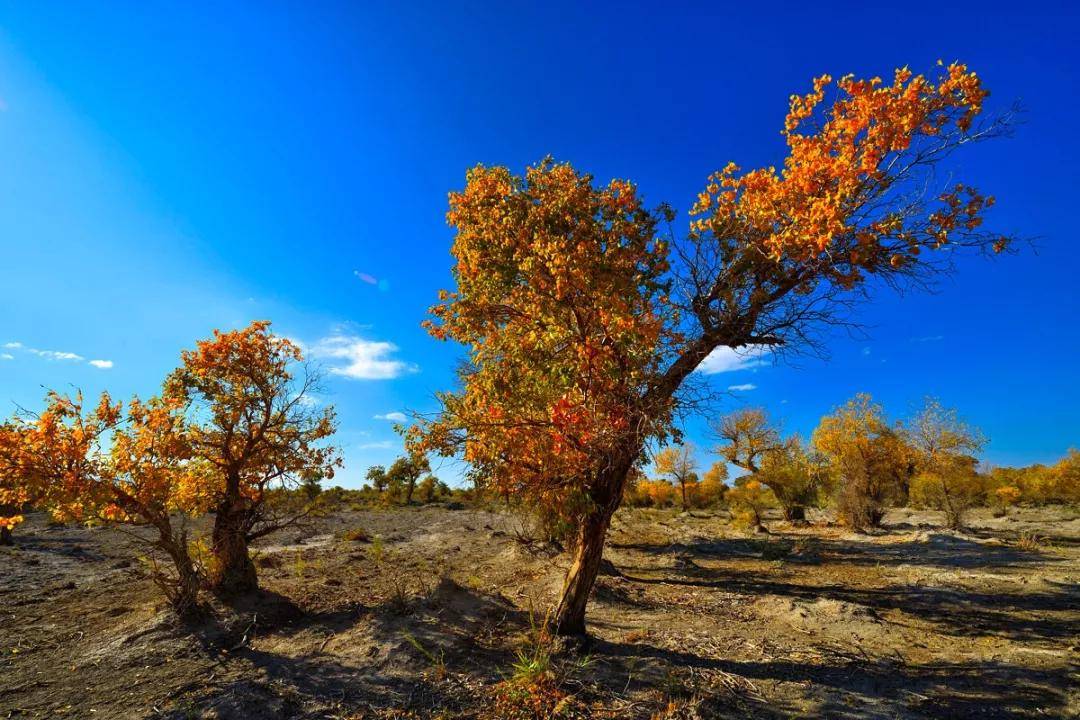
[714, 484]
[943, 446]
[133, 467]
[245, 394]
[311, 485]
[677, 462]
[871, 459]
[750, 498]
[376, 475]
[1005, 497]
[403, 474]
[16, 490]
[787, 468]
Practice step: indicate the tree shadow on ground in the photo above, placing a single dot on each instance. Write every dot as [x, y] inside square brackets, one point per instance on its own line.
[939, 550]
[1018, 616]
[884, 688]
[420, 656]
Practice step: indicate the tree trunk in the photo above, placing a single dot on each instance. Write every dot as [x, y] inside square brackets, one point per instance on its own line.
[233, 572]
[184, 593]
[795, 513]
[5, 531]
[570, 615]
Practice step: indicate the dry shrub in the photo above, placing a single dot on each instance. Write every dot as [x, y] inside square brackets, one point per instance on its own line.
[358, 534]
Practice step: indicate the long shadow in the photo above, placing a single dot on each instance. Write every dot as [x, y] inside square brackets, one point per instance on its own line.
[948, 690]
[940, 550]
[965, 613]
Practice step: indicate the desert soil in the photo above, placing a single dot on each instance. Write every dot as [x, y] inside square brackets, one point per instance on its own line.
[690, 619]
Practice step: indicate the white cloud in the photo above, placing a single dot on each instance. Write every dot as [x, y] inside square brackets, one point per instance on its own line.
[56, 354]
[866, 351]
[726, 359]
[928, 338]
[53, 355]
[362, 359]
[380, 445]
[393, 417]
[6, 356]
[743, 387]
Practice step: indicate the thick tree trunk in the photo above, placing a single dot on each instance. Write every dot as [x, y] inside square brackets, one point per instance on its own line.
[569, 616]
[795, 513]
[5, 536]
[233, 572]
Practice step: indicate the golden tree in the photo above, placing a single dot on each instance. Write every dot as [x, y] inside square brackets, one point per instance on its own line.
[944, 448]
[786, 467]
[231, 426]
[116, 466]
[246, 395]
[582, 326]
[871, 458]
[677, 462]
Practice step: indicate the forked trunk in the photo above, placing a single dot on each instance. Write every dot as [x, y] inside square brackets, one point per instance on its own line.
[588, 552]
[233, 572]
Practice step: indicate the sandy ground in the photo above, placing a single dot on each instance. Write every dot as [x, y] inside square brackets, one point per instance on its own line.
[691, 619]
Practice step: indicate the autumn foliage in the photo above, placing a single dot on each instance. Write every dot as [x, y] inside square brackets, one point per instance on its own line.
[582, 325]
[230, 425]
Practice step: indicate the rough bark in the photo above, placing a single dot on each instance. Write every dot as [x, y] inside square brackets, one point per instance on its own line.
[569, 617]
[795, 513]
[233, 572]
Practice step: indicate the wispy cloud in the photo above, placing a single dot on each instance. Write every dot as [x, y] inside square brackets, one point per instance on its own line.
[6, 356]
[379, 445]
[866, 351]
[724, 359]
[743, 387]
[393, 417]
[928, 338]
[361, 359]
[364, 277]
[61, 355]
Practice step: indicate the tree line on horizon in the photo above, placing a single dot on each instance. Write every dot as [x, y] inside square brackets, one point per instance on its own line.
[857, 463]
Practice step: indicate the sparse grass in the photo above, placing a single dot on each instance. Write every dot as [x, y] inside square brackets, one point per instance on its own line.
[438, 661]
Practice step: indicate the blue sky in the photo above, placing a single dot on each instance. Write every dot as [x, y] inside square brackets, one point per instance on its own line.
[169, 169]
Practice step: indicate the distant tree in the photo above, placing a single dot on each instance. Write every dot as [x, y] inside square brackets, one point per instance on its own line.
[431, 489]
[404, 473]
[750, 498]
[677, 462]
[944, 446]
[311, 485]
[1005, 497]
[714, 484]
[376, 475]
[748, 437]
[583, 323]
[871, 458]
